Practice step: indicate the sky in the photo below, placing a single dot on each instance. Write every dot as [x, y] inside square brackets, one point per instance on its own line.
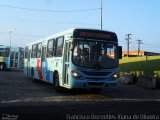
[30, 20]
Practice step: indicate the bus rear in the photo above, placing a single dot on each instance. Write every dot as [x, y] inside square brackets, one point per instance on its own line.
[17, 58]
[11, 58]
[4, 57]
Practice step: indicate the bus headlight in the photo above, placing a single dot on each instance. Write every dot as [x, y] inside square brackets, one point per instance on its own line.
[75, 75]
[114, 76]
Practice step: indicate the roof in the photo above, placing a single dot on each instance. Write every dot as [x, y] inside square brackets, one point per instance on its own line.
[141, 52]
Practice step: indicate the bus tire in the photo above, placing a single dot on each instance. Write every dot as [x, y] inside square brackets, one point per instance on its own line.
[3, 66]
[0, 66]
[56, 82]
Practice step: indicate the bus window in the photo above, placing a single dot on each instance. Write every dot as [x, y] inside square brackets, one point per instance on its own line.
[111, 51]
[50, 50]
[39, 45]
[7, 52]
[21, 56]
[4, 52]
[12, 55]
[1, 52]
[43, 53]
[59, 46]
[34, 51]
[16, 55]
[26, 52]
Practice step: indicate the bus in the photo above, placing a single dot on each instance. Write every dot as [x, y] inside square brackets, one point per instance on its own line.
[76, 58]
[11, 58]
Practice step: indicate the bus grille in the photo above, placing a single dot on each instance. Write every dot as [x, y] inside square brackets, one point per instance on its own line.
[96, 83]
[96, 73]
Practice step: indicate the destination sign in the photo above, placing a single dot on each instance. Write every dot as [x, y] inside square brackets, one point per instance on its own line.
[94, 34]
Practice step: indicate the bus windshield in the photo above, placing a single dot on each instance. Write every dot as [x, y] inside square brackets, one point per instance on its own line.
[95, 54]
[4, 52]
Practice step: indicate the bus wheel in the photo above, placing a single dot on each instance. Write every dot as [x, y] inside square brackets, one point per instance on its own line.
[3, 66]
[0, 66]
[56, 83]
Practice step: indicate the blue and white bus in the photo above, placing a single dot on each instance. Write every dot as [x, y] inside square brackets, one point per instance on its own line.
[11, 57]
[76, 58]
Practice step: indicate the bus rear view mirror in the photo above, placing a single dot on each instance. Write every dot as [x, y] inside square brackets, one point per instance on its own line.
[120, 52]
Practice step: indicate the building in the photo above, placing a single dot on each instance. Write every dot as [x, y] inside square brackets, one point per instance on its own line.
[141, 53]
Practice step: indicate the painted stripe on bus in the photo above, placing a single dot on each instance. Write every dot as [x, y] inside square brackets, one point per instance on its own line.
[47, 71]
[39, 69]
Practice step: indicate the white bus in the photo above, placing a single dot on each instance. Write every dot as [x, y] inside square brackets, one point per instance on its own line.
[76, 58]
[11, 57]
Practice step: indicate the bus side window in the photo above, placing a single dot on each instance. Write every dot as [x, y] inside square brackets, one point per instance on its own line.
[4, 52]
[12, 55]
[34, 51]
[16, 55]
[50, 50]
[59, 46]
[39, 45]
[26, 51]
[43, 53]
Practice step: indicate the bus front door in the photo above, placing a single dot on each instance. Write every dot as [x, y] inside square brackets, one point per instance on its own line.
[28, 64]
[43, 67]
[14, 59]
[66, 62]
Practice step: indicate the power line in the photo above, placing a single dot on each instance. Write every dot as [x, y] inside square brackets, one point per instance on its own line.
[18, 34]
[34, 20]
[27, 35]
[45, 10]
[151, 44]
[133, 46]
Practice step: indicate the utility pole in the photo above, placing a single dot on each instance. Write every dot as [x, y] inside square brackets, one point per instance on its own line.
[139, 43]
[128, 41]
[101, 14]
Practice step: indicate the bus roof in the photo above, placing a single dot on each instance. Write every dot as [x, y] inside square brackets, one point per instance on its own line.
[69, 31]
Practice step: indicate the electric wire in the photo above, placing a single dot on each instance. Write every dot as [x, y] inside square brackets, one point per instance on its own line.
[44, 21]
[45, 10]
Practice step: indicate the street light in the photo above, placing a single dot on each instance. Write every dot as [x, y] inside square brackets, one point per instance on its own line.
[10, 32]
[101, 14]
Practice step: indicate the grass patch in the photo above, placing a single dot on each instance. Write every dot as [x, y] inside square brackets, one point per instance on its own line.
[146, 65]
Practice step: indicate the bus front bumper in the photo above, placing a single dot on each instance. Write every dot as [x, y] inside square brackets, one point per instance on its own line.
[84, 83]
